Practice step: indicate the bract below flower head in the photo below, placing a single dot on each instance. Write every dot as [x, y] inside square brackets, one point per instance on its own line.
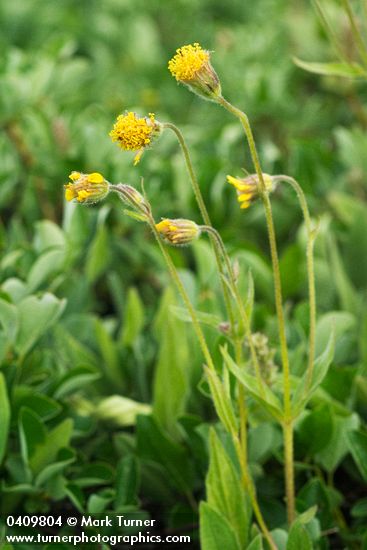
[178, 232]
[134, 133]
[191, 66]
[135, 200]
[248, 188]
[86, 188]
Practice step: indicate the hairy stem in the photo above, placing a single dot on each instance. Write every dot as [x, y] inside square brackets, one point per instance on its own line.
[311, 235]
[176, 279]
[205, 215]
[288, 423]
[244, 318]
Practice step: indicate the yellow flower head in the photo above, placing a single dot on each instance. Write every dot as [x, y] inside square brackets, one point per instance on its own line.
[133, 133]
[178, 232]
[247, 188]
[191, 66]
[86, 188]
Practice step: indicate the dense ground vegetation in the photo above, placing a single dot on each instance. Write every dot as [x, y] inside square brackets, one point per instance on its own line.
[102, 401]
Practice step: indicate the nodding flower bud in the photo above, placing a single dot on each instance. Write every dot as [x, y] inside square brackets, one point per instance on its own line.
[131, 197]
[134, 133]
[248, 188]
[191, 66]
[86, 188]
[178, 232]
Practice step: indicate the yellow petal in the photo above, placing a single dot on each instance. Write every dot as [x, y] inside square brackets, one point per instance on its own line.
[244, 197]
[75, 176]
[69, 194]
[95, 177]
[245, 205]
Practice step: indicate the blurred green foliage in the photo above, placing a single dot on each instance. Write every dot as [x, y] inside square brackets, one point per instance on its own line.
[102, 406]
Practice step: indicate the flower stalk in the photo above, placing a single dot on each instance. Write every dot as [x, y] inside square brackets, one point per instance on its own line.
[287, 420]
[311, 237]
[204, 214]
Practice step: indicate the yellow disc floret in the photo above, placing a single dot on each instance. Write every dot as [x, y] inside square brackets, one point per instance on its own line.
[131, 132]
[188, 61]
[134, 133]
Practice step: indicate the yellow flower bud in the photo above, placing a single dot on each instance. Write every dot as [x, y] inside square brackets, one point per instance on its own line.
[178, 232]
[86, 188]
[248, 188]
[134, 133]
[191, 66]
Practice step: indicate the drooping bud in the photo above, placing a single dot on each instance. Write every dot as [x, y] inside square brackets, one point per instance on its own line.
[191, 66]
[134, 133]
[178, 232]
[135, 200]
[248, 188]
[86, 188]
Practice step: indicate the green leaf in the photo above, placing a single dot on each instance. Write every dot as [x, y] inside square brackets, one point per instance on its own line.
[46, 265]
[171, 371]
[337, 322]
[204, 318]
[4, 416]
[222, 400]
[298, 538]
[224, 491]
[331, 455]
[154, 445]
[44, 407]
[32, 433]
[75, 379]
[306, 389]
[95, 474]
[127, 482]
[9, 320]
[262, 393]
[36, 315]
[48, 235]
[357, 443]
[348, 296]
[260, 271]
[347, 70]
[256, 544]
[46, 452]
[316, 429]
[63, 459]
[215, 531]
[133, 322]
[98, 257]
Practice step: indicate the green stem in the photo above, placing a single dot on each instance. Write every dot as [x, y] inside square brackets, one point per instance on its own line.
[245, 320]
[288, 423]
[210, 363]
[249, 487]
[311, 235]
[204, 214]
[356, 32]
[176, 279]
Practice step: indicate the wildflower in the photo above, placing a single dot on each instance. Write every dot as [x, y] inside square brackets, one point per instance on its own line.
[134, 133]
[248, 188]
[130, 196]
[178, 232]
[86, 188]
[191, 66]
